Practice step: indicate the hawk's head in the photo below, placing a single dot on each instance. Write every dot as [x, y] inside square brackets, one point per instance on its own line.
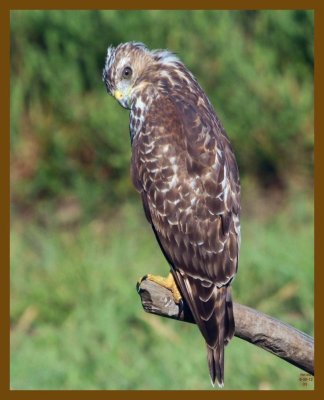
[130, 67]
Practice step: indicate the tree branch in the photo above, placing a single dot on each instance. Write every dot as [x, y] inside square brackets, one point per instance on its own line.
[257, 328]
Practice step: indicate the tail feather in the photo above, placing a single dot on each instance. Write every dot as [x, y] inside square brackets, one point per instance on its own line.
[215, 358]
[212, 309]
[226, 328]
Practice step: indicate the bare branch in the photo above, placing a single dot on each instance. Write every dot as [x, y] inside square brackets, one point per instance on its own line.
[272, 335]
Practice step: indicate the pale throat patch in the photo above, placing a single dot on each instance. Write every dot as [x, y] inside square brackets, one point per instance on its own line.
[137, 116]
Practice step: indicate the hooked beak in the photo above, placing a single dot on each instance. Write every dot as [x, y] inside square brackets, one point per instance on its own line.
[122, 100]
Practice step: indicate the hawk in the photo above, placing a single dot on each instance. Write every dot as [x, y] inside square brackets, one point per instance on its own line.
[185, 170]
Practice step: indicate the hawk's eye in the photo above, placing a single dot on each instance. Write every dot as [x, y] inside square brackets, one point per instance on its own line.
[127, 73]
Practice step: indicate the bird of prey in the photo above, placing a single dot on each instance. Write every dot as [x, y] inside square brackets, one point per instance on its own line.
[185, 170]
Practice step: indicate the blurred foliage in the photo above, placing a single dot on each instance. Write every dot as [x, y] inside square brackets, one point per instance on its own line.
[79, 239]
[77, 321]
[70, 138]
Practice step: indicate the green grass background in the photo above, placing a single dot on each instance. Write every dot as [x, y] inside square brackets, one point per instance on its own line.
[79, 239]
[78, 322]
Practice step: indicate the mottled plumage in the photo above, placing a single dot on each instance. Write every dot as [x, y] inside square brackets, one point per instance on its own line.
[185, 170]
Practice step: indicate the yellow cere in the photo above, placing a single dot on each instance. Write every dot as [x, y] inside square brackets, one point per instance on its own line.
[118, 95]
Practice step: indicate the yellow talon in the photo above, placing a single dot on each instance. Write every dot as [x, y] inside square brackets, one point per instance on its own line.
[168, 283]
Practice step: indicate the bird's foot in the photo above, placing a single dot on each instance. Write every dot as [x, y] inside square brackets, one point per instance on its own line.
[167, 282]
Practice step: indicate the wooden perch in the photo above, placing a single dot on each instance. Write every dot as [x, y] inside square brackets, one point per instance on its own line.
[272, 335]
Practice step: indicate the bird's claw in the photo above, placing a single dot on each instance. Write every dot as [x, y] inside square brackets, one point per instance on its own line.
[168, 283]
